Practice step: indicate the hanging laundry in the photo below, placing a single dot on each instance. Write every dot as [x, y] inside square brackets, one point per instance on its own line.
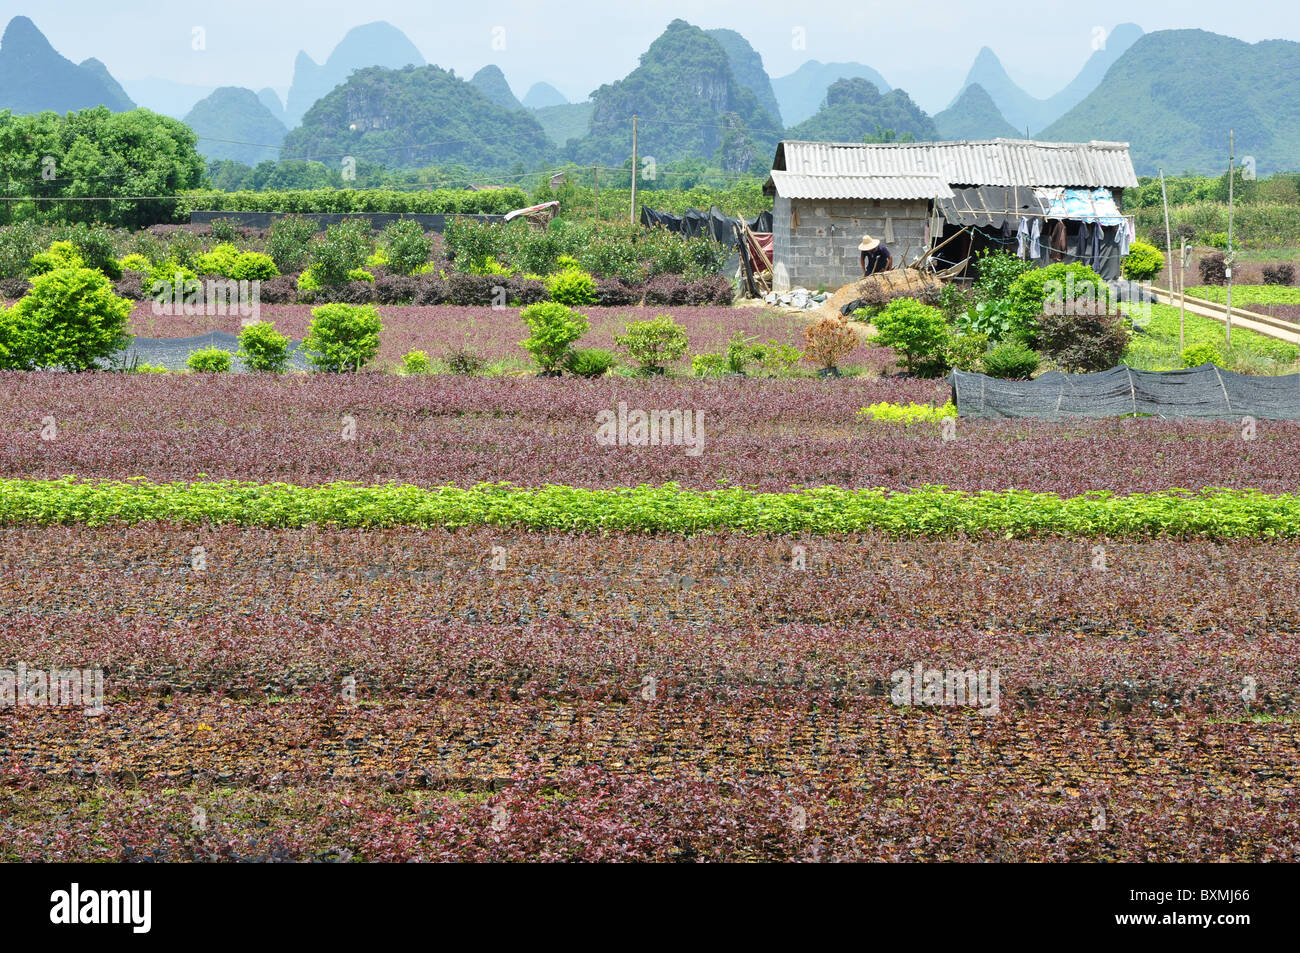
[1056, 239]
[1022, 238]
[1124, 235]
[1035, 231]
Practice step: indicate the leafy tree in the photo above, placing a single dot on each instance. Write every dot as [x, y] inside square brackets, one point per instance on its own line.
[263, 348]
[553, 328]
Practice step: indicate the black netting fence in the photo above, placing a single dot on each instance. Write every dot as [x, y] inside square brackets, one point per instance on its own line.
[1205, 391]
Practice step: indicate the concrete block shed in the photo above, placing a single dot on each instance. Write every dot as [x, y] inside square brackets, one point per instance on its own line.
[827, 195]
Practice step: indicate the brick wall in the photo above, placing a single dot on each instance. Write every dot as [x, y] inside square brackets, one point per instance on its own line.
[822, 249]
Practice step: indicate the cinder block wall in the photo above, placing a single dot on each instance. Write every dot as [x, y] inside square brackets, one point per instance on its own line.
[823, 248]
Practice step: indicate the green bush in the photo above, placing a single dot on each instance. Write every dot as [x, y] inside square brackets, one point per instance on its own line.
[1143, 262]
[1062, 288]
[308, 281]
[966, 351]
[572, 286]
[914, 330]
[654, 343]
[908, 413]
[1087, 340]
[58, 255]
[996, 272]
[209, 360]
[342, 337]
[342, 249]
[708, 365]
[405, 246]
[776, 358]
[135, 262]
[360, 274]
[1011, 360]
[263, 348]
[254, 266]
[1194, 355]
[416, 362]
[591, 362]
[220, 261]
[554, 327]
[70, 319]
[98, 249]
[289, 243]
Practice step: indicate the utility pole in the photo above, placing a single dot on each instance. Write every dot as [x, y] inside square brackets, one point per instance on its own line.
[631, 212]
[1232, 174]
[595, 184]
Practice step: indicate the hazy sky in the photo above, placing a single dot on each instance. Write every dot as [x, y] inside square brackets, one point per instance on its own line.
[923, 47]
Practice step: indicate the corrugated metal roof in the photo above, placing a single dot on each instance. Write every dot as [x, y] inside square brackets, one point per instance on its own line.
[795, 185]
[989, 162]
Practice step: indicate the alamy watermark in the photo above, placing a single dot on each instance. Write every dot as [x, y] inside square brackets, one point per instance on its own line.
[973, 688]
[190, 296]
[653, 428]
[56, 688]
[1089, 297]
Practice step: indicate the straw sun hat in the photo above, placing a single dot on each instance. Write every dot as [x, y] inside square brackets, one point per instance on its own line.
[868, 243]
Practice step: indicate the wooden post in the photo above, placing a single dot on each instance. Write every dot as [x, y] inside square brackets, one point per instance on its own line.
[595, 184]
[631, 212]
[1182, 297]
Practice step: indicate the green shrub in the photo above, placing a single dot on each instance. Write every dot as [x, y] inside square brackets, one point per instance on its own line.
[254, 266]
[572, 286]
[591, 362]
[164, 277]
[309, 281]
[342, 337]
[554, 327]
[223, 231]
[776, 358]
[966, 351]
[914, 330]
[1143, 262]
[263, 348]
[209, 360]
[220, 261]
[135, 262]
[996, 273]
[69, 319]
[908, 413]
[98, 249]
[1011, 360]
[405, 246]
[416, 362]
[1061, 288]
[289, 243]
[990, 318]
[653, 343]
[341, 250]
[360, 274]
[708, 365]
[58, 255]
[1194, 355]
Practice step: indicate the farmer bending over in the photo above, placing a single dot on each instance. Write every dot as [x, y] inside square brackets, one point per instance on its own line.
[874, 256]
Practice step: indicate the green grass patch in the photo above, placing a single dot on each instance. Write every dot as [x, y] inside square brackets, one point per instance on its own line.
[1248, 294]
[1155, 346]
[925, 511]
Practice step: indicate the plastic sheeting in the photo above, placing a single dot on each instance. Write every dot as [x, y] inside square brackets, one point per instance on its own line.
[1084, 205]
[714, 223]
[1205, 391]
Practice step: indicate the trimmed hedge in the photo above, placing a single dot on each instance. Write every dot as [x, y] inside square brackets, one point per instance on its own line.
[925, 511]
[344, 201]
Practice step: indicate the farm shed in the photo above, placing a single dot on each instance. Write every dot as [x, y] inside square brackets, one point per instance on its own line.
[912, 195]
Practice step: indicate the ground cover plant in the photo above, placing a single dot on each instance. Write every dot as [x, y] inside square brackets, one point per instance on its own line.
[649, 720]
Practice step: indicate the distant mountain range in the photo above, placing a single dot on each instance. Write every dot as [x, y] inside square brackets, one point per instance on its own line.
[974, 116]
[374, 44]
[802, 92]
[33, 77]
[234, 123]
[1024, 111]
[701, 95]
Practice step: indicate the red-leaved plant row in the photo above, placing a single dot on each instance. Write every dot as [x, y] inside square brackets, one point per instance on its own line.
[634, 698]
[770, 434]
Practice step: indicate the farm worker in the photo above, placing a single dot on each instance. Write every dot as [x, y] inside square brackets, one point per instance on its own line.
[874, 256]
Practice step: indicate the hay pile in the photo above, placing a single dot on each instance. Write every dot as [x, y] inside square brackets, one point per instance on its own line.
[899, 281]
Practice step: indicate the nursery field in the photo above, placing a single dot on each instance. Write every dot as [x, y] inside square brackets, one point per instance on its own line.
[629, 697]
